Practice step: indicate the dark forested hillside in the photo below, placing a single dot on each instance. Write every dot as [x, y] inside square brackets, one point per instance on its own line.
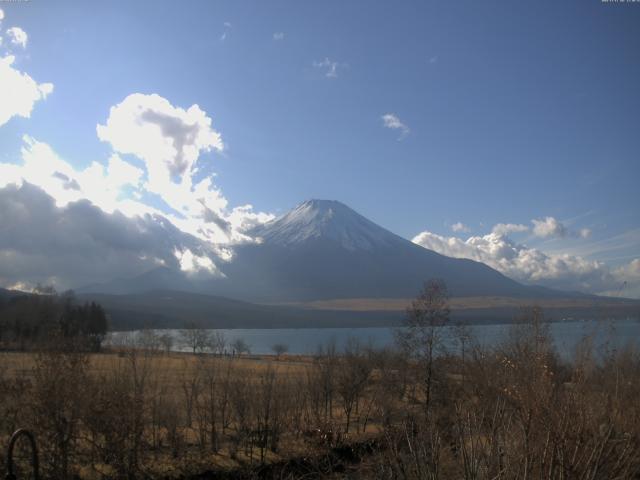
[32, 319]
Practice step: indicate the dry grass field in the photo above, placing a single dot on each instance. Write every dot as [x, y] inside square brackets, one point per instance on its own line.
[184, 396]
[466, 303]
[171, 366]
[515, 410]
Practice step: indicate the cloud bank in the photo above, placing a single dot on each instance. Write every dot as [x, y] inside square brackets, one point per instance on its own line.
[138, 209]
[79, 243]
[47, 197]
[170, 142]
[532, 266]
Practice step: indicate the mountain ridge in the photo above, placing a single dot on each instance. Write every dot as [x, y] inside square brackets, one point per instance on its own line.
[323, 250]
[327, 219]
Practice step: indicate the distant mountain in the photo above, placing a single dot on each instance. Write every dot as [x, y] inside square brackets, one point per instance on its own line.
[4, 293]
[175, 309]
[322, 250]
[7, 294]
[161, 278]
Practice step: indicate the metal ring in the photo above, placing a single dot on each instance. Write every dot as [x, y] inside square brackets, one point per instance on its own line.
[34, 453]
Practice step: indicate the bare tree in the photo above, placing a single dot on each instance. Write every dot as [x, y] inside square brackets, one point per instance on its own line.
[352, 378]
[191, 388]
[207, 406]
[280, 349]
[166, 340]
[219, 343]
[222, 399]
[195, 337]
[148, 340]
[321, 381]
[422, 334]
[239, 346]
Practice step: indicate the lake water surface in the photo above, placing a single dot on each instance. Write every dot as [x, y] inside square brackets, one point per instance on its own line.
[566, 335]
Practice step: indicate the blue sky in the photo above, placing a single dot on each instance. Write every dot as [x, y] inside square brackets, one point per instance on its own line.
[508, 112]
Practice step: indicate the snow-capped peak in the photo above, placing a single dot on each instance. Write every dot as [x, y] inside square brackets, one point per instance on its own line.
[325, 220]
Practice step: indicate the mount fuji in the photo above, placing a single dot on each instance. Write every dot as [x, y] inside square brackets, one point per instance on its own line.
[323, 264]
[322, 249]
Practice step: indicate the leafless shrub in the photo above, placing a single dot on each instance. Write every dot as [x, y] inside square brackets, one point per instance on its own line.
[196, 338]
[280, 349]
[422, 335]
[57, 399]
[352, 378]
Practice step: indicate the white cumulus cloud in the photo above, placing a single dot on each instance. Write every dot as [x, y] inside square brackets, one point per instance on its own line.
[549, 227]
[530, 265]
[169, 139]
[278, 36]
[193, 220]
[507, 228]
[391, 121]
[17, 36]
[330, 67]
[121, 173]
[19, 92]
[42, 166]
[460, 227]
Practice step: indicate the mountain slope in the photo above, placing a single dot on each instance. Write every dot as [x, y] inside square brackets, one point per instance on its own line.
[161, 278]
[324, 250]
[175, 309]
[333, 267]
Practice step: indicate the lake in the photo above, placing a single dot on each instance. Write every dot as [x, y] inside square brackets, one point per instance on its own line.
[566, 335]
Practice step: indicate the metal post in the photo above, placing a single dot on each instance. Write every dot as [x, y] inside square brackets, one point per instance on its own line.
[34, 453]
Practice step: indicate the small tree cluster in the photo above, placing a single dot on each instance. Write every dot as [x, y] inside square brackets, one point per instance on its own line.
[30, 320]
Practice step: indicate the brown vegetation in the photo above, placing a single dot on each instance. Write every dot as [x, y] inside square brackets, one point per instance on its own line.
[464, 303]
[511, 411]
